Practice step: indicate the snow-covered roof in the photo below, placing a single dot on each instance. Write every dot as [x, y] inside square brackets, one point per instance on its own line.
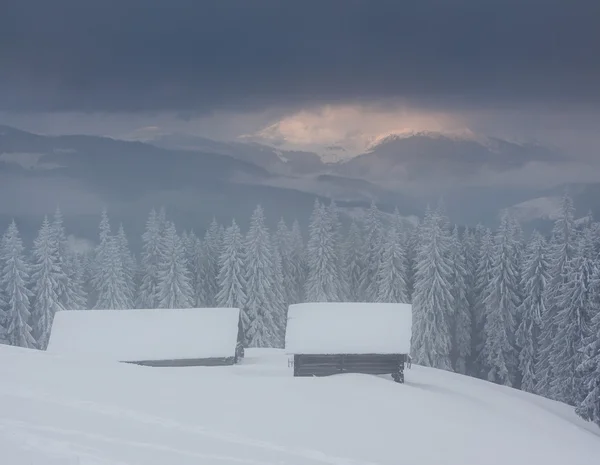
[141, 335]
[348, 328]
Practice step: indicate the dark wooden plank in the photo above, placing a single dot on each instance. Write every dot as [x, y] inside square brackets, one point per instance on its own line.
[327, 364]
[188, 362]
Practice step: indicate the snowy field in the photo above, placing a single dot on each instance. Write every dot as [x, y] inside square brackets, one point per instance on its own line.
[61, 411]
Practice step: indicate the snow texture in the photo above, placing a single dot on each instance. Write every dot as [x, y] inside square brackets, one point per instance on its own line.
[64, 411]
[349, 328]
[138, 335]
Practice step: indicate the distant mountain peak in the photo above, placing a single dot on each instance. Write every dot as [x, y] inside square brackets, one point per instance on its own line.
[463, 134]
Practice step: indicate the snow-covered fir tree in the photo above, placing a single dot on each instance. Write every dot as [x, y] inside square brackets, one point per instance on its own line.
[470, 247]
[47, 274]
[197, 276]
[461, 322]
[433, 303]
[562, 250]
[573, 322]
[261, 302]
[14, 278]
[502, 301]
[298, 260]
[279, 302]
[152, 242]
[109, 280]
[77, 296]
[174, 289]
[533, 309]
[353, 261]
[285, 248]
[588, 372]
[232, 277]
[333, 218]
[3, 315]
[71, 293]
[390, 281]
[484, 276]
[323, 281]
[128, 262]
[411, 241]
[193, 257]
[373, 235]
[210, 270]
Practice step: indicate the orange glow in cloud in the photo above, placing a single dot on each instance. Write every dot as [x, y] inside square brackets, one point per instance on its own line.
[353, 127]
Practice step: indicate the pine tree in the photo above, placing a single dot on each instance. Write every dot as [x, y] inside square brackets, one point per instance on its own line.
[501, 305]
[390, 280]
[573, 323]
[109, 278]
[128, 263]
[483, 278]
[14, 277]
[353, 261]
[70, 296]
[433, 302]
[174, 289]
[462, 312]
[3, 315]
[232, 279]
[322, 283]
[152, 241]
[261, 300]
[210, 271]
[197, 275]
[332, 218]
[279, 302]
[298, 260]
[373, 234]
[411, 240]
[588, 405]
[563, 248]
[192, 244]
[285, 248]
[533, 309]
[101, 253]
[46, 275]
[470, 248]
[77, 297]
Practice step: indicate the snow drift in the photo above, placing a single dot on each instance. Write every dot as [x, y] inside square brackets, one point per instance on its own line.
[57, 410]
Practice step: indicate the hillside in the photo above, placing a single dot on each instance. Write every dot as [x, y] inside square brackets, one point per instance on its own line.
[59, 411]
[83, 174]
[197, 179]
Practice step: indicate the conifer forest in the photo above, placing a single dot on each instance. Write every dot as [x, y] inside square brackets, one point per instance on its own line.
[514, 309]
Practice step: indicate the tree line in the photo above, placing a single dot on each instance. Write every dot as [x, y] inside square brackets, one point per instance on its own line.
[522, 312]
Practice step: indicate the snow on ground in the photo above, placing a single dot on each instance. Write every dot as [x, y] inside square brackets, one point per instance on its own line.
[56, 410]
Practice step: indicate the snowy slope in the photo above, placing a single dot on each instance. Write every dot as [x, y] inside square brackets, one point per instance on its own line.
[547, 208]
[64, 411]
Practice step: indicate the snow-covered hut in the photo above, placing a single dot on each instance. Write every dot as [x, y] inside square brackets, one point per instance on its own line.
[339, 337]
[158, 338]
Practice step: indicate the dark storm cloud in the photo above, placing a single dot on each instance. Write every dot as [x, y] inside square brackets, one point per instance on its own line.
[198, 55]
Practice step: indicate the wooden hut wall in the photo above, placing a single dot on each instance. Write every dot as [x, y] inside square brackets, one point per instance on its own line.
[325, 365]
[187, 362]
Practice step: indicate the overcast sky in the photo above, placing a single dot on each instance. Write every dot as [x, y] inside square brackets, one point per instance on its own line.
[307, 72]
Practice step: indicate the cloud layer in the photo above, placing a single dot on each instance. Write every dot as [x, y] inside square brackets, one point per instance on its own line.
[198, 56]
[346, 130]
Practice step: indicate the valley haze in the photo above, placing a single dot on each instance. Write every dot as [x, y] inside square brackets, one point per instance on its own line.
[197, 179]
